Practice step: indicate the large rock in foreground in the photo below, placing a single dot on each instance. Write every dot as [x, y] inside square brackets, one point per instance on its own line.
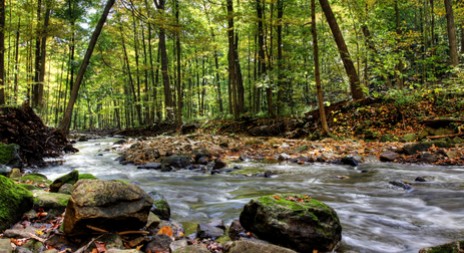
[14, 201]
[108, 205]
[293, 221]
[451, 247]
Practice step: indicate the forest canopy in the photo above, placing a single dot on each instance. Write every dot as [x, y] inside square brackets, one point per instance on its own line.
[181, 61]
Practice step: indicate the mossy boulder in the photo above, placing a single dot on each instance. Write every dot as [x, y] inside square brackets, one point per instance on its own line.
[14, 201]
[293, 221]
[86, 176]
[53, 203]
[35, 179]
[9, 154]
[453, 247]
[70, 178]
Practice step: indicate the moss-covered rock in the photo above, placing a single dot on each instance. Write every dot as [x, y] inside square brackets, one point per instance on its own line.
[453, 247]
[8, 153]
[293, 221]
[14, 201]
[53, 203]
[35, 179]
[70, 178]
[86, 176]
[160, 205]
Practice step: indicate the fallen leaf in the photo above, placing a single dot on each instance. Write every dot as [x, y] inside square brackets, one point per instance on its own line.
[165, 230]
[101, 246]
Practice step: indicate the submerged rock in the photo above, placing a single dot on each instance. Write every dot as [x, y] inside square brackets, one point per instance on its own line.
[294, 221]
[175, 162]
[14, 201]
[108, 205]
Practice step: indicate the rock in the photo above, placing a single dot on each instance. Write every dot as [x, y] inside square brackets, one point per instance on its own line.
[236, 231]
[250, 246]
[176, 245]
[9, 155]
[86, 176]
[70, 178]
[160, 205]
[412, 149]
[54, 203]
[108, 205]
[283, 157]
[5, 246]
[400, 184]
[159, 244]
[175, 162]
[427, 158]
[420, 179]
[150, 166]
[35, 179]
[350, 160]
[219, 164]
[14, 201]
[15, 173]
[66, 189]
[445, 248]
[294, 221]
[120, 142]
[388, 156]
[205, 231]
[152, 221]
[193, 249]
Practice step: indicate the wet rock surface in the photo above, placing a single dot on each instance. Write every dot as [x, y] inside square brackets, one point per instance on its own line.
[107, 205]
[293, 221]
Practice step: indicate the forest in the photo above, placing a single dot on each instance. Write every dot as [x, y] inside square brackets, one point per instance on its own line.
[84, 64]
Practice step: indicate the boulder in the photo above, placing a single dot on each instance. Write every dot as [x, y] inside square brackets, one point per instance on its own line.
[205, 231]
[160, 206]
[236, 231]
[108, 205]
[449, 247]
[293, 221]
[388, 156]
[350, 160]
[150, 166]
[175, 162]
[14, 201]
[159, 244]
[51, 202]
[250, 246]
[70, 178]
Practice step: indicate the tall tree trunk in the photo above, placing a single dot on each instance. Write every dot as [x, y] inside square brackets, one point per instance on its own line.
[282, 88]
[66, 122]
[180, 94]
[16, 65]
[233, 79]
[2, 52]
[137, 99]
[453, 45]
[168, 102]
[355, 83]
[317, 74]
[133, 100]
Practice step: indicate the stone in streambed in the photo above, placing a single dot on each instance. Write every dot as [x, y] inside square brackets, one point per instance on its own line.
[150, 166]
[175, 162]
[350, 160]
[14, 201]
[160, 205]
[293, 221]
[5, 246]
[70, 178]
[51, 202]
[108, 205]
[193, 249]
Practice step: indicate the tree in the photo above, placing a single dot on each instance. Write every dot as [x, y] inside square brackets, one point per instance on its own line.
[453, 45]
[168, 102]
[66, 121]
[355, 83]
[2, 52]
[317, 74]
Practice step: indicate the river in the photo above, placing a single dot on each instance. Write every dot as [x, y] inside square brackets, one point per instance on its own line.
[375, 215]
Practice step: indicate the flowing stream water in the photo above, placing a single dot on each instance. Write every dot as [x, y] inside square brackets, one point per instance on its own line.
[375, 215]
